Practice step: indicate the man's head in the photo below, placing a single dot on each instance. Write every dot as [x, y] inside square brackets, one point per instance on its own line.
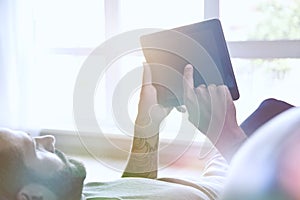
[31, 168]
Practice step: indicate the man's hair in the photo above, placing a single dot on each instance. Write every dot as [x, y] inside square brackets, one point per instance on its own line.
[66, 184]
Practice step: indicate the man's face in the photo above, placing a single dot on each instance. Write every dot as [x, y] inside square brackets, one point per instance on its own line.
[42, 161]
[38, 153]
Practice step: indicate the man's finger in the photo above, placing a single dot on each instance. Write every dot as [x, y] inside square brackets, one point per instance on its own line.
[224, 90]
[188, 75]
[188, 80]
[147, 78]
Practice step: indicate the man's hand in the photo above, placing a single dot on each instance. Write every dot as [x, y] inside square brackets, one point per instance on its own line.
[150, 113]
[212, 111]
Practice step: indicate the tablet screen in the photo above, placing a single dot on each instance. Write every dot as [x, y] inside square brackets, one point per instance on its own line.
[203, 45]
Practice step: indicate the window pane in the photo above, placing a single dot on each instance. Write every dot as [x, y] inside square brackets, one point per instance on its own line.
[135, 14]
[261, 79]
[260, 19]
[68, 23]
[64, 33]
[159, 14]
[49, 91]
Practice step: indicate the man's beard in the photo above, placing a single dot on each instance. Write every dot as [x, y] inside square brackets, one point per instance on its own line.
[66, 183]
[77, 168]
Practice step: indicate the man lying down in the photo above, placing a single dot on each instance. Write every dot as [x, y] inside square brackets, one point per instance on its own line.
[32, 169]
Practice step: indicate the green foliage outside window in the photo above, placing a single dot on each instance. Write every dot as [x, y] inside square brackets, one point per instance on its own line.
[280, 21]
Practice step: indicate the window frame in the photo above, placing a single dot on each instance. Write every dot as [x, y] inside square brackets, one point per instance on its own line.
[238, 49]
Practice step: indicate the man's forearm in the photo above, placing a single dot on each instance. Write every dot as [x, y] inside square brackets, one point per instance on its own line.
[230, 140]
[143, 159]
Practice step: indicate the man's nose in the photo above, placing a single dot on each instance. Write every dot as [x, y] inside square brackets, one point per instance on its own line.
[47, 142]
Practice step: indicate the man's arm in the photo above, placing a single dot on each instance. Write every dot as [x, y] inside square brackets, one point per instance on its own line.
[143, 159]
[212, 111]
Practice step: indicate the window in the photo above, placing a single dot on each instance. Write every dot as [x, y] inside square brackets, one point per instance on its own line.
[159, 14]
[136, 14]
[264, 43]
[63, 35]
[65, 32]
[260, 19]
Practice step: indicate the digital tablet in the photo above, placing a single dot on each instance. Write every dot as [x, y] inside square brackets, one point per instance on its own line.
[201, 44]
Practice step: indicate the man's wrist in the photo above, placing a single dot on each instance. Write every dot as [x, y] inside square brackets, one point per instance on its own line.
[146, 130]
[231, 139]
[146, 125]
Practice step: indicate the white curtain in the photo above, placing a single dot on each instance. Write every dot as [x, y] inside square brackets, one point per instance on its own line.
[16, 50]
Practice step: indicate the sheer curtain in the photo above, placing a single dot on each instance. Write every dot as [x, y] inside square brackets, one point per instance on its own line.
[15, 54]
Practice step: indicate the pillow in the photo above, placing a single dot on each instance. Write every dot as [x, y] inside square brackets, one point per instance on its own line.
[254, 169]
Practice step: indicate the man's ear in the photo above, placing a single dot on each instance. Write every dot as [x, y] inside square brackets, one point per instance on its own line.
[35, 192]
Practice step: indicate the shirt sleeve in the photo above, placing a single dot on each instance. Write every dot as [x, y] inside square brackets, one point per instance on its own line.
[214, 175]
[212, 180]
